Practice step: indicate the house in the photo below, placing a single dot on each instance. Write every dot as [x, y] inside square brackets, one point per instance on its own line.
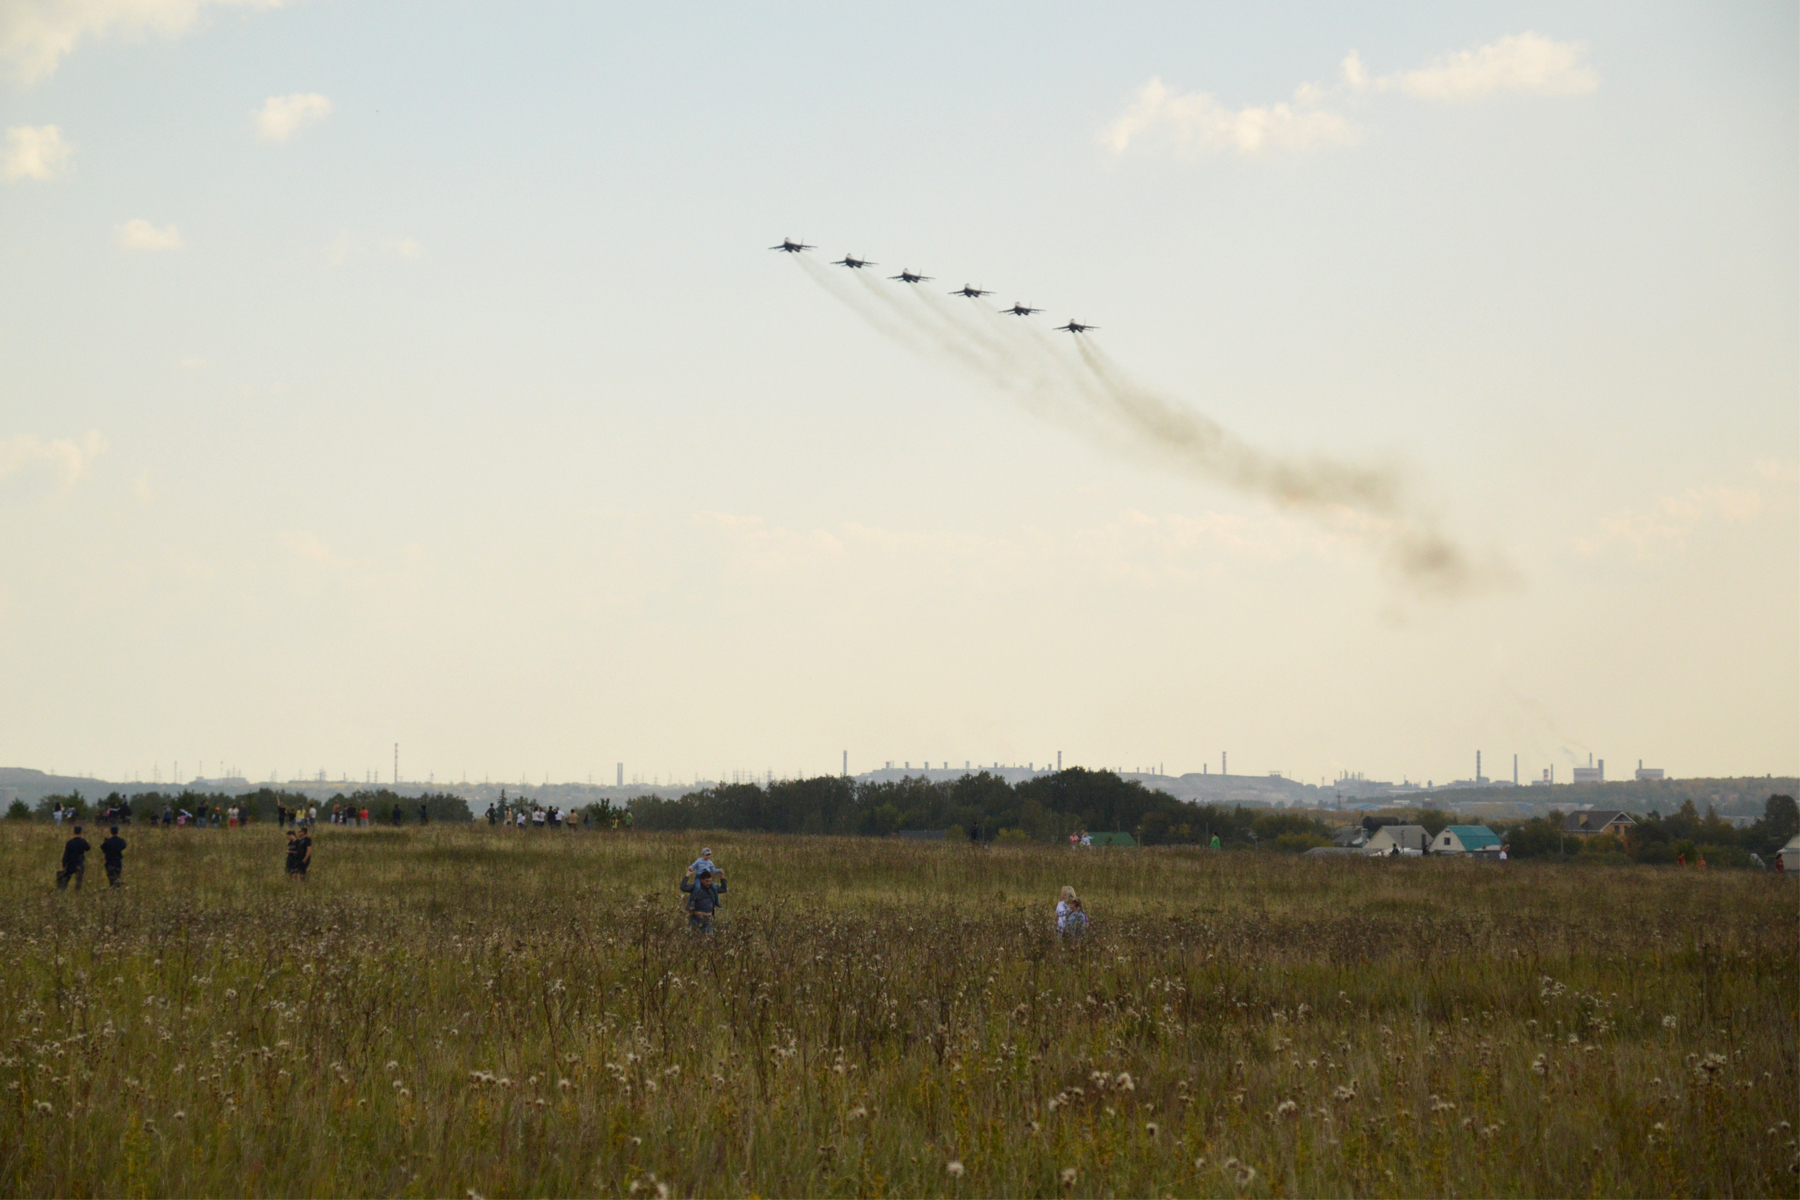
[1349, 836]
[1466, 839]
[1406, 839]
[1596, 821]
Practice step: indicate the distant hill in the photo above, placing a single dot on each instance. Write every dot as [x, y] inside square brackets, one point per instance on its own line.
[1741, 795]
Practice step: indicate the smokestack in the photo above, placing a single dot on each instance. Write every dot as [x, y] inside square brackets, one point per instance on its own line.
[1515, 770]
[1478, 766]
[1224, 762]
[621, 776]
[846, 771]
[1059, 760]
[1603, 770]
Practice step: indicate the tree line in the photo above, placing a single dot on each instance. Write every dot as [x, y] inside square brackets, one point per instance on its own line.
[262, 804]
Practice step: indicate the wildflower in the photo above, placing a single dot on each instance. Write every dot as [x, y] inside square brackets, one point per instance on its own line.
[1152, 1128]
[179, 1114]
[1242, 1173]
[1541, 1065]
[563, 1084]
[1344, 1094]
[1438, 1105]
[1286, 1107]
[392, 1065]
[955, 1167]
[1668, 1020]
[1068, 1177]
[44, 1107]
[1125, 1082]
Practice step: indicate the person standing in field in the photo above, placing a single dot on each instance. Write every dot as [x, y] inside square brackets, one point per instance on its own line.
[74, 861]
[299, 854]
[702, 898]
[1070, 916]
[113, 851]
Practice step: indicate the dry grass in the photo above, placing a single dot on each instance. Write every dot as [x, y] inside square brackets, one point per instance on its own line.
[455, 1010]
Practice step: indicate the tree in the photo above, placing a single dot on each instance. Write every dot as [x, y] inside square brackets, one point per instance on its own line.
[1780, 822]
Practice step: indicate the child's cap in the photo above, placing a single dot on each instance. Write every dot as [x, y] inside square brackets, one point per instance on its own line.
[706, 852]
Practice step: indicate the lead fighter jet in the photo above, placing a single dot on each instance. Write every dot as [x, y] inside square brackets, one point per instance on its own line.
[909, 277]
[792, 247]
[1075, 327]
[973, 293]
[1019, 310]
[853, 262]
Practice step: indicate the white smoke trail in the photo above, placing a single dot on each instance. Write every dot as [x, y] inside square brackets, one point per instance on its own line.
[1085, 391]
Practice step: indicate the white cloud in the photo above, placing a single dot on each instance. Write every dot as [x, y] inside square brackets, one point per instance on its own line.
[24, 457]
[33, 153]
[139, 234]
[1527, 62]
[404, 247]
[1671, 521]
[35, 35]
[193, 362]
[1198, 120]
[281, 117]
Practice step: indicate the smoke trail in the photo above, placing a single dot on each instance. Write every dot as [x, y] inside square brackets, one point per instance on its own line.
[1086, 391]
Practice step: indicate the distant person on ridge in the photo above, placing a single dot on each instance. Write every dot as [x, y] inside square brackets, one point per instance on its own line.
[113, 851]
[74, 861]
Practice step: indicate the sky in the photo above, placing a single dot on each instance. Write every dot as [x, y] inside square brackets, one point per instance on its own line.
[378, 373]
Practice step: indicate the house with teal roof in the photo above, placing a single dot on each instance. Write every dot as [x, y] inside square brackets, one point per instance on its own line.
[1466, 839]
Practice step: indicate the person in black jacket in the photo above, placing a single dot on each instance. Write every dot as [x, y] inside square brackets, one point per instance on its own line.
[702, 898]
[113, 851]
[74, 865]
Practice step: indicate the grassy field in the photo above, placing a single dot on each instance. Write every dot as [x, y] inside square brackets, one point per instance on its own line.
[455, 1011]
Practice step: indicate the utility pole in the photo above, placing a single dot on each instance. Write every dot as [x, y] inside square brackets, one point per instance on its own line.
[396, 764]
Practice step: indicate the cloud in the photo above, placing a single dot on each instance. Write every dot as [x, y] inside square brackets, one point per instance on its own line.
[36, 35]
[1668, 524]
[33, 153]
[1198, 120]
[403, 247]
[139, 234]
[1527, 62]
[281, 117]
[25, 459]
[193, 362]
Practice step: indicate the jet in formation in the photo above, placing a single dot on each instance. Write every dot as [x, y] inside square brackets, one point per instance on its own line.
[853, 262]
[973, 293]
[909, 277]
[1075, 327]
[1019, 310]
[792, 247]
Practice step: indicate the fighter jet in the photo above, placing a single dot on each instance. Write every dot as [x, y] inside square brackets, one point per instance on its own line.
[853, 262]
[973, 293]
[909, 277]
[1019, 310]
[1075, 327]
[792, 247]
